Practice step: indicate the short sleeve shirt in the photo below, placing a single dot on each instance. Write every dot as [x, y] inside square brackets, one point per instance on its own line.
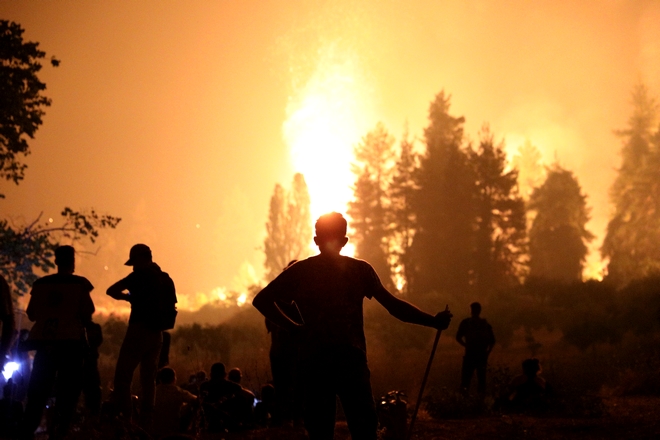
[144, 286]
[60, 305]
[329, 292]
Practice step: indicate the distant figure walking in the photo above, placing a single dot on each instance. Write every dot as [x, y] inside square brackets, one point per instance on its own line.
[476, 335]
[61, 307]
[329, 290]
[152, 296]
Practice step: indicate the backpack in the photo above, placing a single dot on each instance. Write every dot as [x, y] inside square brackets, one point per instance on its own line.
[165, 310]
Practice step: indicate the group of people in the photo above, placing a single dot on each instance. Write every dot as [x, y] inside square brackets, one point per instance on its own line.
[317, 303]
[213, 405]
[66, 341]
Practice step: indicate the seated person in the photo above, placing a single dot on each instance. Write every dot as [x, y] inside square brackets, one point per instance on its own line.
[170, 400]
[244, 400]
[217, 396]
[529, 391]
[263, 412]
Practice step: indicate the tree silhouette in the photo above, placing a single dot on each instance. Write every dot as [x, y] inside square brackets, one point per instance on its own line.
[402, 219]
[22, 101]
[558, 237]
[633, 232]
[289, 227]
[441, 252]
[27, 250]
[500, 231]
[374, 157]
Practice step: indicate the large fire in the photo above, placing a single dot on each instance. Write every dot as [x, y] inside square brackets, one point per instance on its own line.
[326, 118]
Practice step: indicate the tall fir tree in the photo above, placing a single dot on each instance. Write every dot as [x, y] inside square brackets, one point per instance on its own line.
[374, 158]
[402, 219]
[289, 227]
[633, 232]
[558, 237]
[500, 255]
[441, 252]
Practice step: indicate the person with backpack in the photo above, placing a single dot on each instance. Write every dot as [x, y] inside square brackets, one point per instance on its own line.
[152, 296]
[476, 335]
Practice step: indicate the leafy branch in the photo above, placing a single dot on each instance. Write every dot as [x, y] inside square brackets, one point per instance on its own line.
[27, 251]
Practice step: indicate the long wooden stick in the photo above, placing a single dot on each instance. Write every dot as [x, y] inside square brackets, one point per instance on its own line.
[421, 390]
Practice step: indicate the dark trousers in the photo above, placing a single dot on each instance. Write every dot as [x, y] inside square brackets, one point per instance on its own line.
[338, 371]
[141, 347]
[284, 368]
[92, 382]
[61, 367]
[472, 362]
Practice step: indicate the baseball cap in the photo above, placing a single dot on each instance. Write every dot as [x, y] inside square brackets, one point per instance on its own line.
[138, 252]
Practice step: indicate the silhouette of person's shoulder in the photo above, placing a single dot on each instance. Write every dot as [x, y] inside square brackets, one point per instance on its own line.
[59, 278]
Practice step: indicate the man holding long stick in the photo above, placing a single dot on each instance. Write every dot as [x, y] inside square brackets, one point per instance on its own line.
[329, 290]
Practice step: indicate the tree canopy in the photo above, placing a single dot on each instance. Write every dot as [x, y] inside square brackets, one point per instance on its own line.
[22, 101]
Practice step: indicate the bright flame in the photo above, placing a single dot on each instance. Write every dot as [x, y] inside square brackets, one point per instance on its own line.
[326, 118]
[10, 368]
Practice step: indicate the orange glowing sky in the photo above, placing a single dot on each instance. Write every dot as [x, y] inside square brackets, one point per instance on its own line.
[181, 116]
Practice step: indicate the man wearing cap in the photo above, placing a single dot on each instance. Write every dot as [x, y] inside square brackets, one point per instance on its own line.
[61, 307]
[329, 290]
[143, 289]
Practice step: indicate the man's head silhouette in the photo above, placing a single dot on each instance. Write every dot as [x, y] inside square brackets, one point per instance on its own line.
[331, 233]
[65, 258]
[139, 256]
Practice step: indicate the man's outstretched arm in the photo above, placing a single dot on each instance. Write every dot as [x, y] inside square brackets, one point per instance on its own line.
[407, 312]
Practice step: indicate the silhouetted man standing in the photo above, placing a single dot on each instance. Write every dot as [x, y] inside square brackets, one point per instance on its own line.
[476, 335]
[60, 306]
[149, 290]
[329, 290]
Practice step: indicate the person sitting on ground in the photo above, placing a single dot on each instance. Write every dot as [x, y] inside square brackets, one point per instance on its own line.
[170, 400]
[194, 382]
[529, 391]
[244, 400]
[263, 412]
[217, 394]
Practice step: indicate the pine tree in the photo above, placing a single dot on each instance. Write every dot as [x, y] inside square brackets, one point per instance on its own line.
[289, 227]
[374, 157]
[402, 218]
[558, 237]
[500, 230]
[631, 241]
[441, 252]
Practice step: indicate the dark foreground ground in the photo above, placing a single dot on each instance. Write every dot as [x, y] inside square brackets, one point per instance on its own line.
[624, 418]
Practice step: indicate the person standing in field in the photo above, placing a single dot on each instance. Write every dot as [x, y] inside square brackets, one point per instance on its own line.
[152, 296]
[61, 307]
[476, 335]
[329, 290]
